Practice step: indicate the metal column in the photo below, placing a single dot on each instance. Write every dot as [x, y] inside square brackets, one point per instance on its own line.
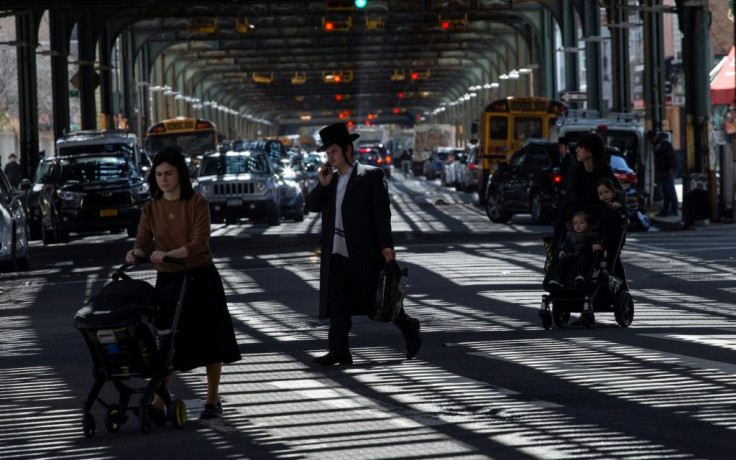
[26, 25]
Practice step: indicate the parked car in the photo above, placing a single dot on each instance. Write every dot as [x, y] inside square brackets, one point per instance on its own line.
[626, 175]
[528, 184]
[433, 165]
[14, 232]
[469, 172]
[240, 185]
[85, 192]
[293, 188]
[374, 154]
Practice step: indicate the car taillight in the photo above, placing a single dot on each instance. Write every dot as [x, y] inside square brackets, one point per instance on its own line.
[388, 159]
[555, 176]
[379, 160]
[472, 166]
[626, 177]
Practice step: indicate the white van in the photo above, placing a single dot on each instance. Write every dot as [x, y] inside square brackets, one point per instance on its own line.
[620, 130]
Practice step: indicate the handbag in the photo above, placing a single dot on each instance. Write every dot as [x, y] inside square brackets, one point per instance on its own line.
[390, 293]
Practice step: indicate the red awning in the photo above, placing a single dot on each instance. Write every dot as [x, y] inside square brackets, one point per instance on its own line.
[723, 85]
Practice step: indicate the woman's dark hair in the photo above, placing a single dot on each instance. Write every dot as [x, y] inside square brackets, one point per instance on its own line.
[594, 144]
[608, 183]
[175, 158]
[344, 147]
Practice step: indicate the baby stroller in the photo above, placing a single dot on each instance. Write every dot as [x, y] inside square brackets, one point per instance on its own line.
[605, 289]
[129, 330]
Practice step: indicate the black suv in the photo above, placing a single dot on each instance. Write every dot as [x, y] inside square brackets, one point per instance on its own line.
[87, 192]
[529, 184]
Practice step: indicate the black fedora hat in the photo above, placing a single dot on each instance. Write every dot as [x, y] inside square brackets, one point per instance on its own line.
[335, 134]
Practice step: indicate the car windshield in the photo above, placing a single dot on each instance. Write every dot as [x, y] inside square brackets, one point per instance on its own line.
[234, 164]
[85, 168]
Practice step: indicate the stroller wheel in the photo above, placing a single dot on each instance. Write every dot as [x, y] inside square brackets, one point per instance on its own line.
[589, 318]
[112, 419]
[178, 413]
[88, 425]
[560, 317]
[623, 309]
[546, 316]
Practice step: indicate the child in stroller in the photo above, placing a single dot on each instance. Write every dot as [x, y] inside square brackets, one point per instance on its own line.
[603, 286]
[576, 251]
[129, 329]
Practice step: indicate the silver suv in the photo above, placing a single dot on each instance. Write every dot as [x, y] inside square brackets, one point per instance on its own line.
[240, 185]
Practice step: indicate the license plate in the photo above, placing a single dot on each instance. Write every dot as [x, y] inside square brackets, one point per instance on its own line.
[235, 202]
[108, 212]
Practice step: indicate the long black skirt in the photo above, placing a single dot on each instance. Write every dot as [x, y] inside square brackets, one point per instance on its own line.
[205, 333]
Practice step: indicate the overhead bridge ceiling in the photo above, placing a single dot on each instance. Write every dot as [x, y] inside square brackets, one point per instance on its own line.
[286, 61]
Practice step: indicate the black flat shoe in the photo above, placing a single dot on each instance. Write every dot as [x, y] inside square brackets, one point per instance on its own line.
[157, 416]
[333, 357]
[211, 411]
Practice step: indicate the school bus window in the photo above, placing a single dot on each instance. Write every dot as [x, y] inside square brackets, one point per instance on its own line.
[527, 127]
[499, 128]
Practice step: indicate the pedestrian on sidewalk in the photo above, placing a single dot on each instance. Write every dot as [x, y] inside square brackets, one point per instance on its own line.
[12, 170]
[356, 242]
[665, 165]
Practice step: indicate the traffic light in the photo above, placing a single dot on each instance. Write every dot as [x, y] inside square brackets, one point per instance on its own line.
[360, 3]
[329, 26]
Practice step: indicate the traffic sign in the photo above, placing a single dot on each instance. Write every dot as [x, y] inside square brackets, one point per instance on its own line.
[573, 96]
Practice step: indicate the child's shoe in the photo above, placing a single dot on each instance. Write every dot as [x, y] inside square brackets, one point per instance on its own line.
[579, 281]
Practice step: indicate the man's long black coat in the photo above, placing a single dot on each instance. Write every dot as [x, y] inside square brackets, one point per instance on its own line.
[366, 217]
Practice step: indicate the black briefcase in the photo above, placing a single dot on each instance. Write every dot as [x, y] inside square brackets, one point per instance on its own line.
[390, 293]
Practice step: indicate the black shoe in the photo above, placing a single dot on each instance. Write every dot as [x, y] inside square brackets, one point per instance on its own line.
[211, 411]
[334, 357]
[413, 338]
[157, 416]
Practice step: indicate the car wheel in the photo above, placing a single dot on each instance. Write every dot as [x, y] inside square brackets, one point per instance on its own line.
[494, 211]
[47, 234]
[274, 217]
[539, 216]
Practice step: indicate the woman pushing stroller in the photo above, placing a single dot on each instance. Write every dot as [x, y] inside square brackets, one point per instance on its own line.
[593, 188]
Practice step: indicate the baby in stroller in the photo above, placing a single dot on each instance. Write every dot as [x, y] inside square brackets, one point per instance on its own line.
[583, 268]
[576, 250]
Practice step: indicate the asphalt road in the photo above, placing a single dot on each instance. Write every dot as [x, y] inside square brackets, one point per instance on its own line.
[489, 382]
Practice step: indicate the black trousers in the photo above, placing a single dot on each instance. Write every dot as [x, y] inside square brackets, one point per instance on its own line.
[342, 300]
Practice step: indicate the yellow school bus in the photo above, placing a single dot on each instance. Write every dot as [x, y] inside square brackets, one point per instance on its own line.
[193, 136]
[507, 124]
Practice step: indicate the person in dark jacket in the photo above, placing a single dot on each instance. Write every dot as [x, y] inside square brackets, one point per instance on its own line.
[665, 165]
[12, 170]
[356, 242]
[576, 251]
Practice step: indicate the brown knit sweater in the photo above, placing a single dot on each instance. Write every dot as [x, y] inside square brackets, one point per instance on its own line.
[189, 227]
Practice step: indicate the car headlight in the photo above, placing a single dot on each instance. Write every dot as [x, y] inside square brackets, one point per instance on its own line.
[66, 195]
[205, 189]
[261, 186]
[140, 190]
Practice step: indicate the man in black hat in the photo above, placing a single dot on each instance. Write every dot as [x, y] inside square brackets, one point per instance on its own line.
[356, 242]
[665, 165]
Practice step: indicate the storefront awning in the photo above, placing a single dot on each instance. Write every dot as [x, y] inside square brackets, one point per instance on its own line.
[723, 84]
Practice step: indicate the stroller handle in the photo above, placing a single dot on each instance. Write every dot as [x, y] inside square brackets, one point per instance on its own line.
[120, 272]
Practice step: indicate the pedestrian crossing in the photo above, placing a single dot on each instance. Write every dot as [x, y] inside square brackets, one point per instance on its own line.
[490, 382]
